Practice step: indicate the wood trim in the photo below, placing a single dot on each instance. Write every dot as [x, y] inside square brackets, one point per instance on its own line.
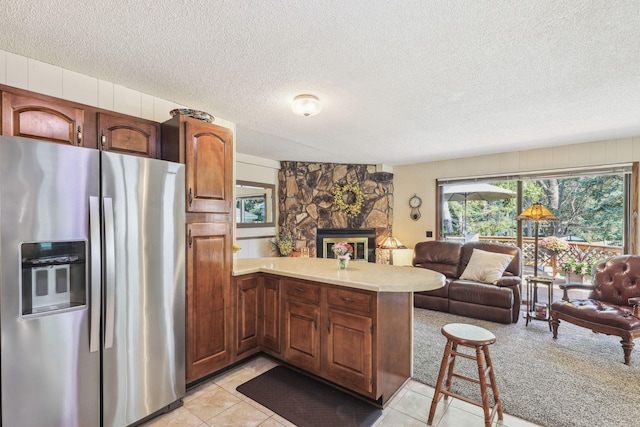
[633, 220]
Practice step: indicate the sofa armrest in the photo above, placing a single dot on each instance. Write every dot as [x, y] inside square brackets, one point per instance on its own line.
[508, 281]
[569, 286]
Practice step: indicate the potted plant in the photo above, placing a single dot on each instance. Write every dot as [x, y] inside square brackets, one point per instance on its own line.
[575, 270]
[284, 243]
[553, 246]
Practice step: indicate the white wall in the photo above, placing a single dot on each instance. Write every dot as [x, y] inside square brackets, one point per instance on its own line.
[254, 241]
[421, 178]
[29, 74]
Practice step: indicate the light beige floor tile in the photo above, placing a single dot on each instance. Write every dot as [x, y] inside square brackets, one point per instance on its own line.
[285, 422]
[421, 388]
[258, 406]
[239, 415]
[395, 399]
[397, 419]
[454, 417]
[180, 417]
[417, 405]
[231, 380]
[198, 390]
[211, 402]
[271, 422]
[260, 364]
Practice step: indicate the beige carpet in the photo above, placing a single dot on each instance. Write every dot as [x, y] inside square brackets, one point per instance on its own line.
[577, 380]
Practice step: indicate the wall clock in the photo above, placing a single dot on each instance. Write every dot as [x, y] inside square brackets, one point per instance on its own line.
[414, 203]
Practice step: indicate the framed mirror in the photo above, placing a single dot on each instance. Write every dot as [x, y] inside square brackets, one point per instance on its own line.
[254, 204]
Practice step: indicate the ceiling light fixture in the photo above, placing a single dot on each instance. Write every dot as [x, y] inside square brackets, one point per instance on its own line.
[306, 105]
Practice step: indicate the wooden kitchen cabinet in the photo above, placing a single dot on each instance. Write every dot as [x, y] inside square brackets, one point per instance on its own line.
[269, 306]
[128, 135]
[42, 118]
[247, 303]
[207, 151]
[213, 340]
[301, 318]
[348, 344]
[209, 319]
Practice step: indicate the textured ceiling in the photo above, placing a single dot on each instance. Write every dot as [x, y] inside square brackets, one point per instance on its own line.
[401, 82]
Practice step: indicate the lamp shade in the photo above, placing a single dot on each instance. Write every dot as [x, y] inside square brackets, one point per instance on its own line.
[306, 105]
[537, 212]
[391, 243]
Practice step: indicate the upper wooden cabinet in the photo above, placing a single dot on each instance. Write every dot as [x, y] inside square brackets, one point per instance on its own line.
[207, 151]
[128, 135]
[48, 120]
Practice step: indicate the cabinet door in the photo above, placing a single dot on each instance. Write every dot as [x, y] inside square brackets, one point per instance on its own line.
[39, 119]
[208, 298]
[209, 150]
[247, 309]
[349, 350]
[302, 338]
[128, 135]
[269, 336]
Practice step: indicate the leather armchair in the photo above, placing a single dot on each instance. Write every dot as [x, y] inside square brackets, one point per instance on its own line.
[612, 307]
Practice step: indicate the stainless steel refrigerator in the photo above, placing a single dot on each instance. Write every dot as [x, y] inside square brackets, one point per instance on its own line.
[92, 293]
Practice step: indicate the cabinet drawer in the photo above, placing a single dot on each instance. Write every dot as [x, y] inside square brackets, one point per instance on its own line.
[301, 290]
[349, 299]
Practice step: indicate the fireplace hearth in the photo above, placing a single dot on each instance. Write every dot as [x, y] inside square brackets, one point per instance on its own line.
[363, 241]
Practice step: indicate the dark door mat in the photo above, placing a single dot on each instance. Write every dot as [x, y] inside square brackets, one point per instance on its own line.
[307, 402]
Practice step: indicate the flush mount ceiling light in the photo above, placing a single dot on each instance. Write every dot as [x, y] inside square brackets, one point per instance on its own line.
[306, 105]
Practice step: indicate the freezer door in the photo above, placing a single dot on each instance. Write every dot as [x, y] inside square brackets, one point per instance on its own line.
[49, 376]
[144, 287]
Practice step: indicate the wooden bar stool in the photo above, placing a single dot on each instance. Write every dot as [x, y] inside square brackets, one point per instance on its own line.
[479, 339]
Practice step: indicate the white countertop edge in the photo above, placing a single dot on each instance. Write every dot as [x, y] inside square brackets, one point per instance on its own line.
[358, 275]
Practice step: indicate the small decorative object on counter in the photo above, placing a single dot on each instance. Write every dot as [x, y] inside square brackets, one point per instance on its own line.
[196, 114]
[343, 252]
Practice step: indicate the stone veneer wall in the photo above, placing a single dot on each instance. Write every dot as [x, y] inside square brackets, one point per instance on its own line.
[305, 199]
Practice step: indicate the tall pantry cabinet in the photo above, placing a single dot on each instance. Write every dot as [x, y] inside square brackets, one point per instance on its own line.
[207, 151]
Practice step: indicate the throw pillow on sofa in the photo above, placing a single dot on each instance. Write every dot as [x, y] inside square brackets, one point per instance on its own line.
[486, 267]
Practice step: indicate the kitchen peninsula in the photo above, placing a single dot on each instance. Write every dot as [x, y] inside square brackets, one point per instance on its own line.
[352, 327]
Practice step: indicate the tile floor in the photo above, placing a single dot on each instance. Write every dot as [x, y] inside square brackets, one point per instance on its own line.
[217, 403]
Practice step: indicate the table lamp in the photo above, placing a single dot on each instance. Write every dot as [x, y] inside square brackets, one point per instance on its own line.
[536, 212]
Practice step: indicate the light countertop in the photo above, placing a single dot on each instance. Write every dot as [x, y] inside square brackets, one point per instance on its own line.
[358, 275]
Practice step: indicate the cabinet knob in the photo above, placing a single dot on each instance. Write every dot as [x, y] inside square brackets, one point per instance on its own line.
[190, 239]
[301, 290]
[103, 139]
[190, 196]
[346, 299]
[79, 135]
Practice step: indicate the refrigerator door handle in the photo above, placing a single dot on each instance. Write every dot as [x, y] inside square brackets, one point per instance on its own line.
[94, 230]
[110, 269]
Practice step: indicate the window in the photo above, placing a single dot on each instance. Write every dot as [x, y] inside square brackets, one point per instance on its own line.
[594, 206]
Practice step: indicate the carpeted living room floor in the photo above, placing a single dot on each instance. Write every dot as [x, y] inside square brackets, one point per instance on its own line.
[577, 380]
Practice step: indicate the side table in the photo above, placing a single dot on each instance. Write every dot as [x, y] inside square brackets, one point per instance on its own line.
[532, 299]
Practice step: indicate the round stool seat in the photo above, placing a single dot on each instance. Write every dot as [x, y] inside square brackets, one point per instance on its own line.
[468, 335]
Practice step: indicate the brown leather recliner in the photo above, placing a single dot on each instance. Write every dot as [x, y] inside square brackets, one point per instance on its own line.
[612, 308]
[497, 303]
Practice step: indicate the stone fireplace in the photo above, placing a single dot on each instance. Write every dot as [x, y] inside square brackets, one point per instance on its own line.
[363, 241]
[306, 206]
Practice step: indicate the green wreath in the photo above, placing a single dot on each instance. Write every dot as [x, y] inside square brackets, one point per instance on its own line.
[348, 198]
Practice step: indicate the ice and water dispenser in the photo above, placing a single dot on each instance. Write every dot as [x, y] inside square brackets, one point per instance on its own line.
[54, 277]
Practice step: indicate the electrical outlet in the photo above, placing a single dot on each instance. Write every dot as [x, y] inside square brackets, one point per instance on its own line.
[429, 233]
